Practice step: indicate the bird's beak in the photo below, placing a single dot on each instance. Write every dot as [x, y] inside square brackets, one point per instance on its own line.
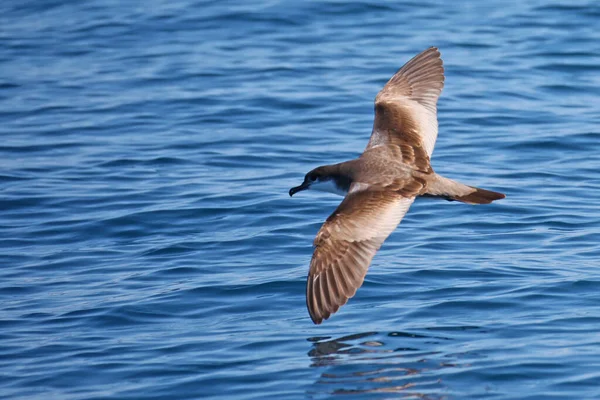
[294, 190]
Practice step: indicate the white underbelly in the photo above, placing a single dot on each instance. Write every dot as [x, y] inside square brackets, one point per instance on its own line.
[328, 186]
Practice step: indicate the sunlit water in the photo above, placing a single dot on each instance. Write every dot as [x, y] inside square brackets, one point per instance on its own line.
[149, 248]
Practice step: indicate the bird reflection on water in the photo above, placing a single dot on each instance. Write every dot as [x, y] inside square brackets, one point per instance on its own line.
[368, 363]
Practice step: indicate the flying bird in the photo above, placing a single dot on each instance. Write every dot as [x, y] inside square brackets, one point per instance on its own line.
[381, 184]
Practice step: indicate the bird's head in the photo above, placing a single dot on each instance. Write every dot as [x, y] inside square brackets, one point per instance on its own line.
[314, 178]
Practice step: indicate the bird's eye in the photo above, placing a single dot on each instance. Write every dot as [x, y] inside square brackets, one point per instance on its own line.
[312, 177]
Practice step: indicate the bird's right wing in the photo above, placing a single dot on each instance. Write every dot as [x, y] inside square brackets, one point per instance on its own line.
[345, 246]
[406, 107]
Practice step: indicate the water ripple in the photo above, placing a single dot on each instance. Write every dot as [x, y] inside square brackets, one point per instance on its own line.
[150, 249]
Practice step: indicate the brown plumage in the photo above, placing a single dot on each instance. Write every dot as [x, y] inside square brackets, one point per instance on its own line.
[345, 246]
[478, 196]
[381, 184]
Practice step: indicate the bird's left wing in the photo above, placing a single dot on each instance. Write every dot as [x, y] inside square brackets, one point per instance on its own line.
[346, 244]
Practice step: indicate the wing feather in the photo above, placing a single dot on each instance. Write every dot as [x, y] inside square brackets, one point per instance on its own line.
[406, 107]
[345, 246]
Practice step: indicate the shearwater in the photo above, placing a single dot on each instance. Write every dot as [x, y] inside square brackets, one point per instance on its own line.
[381, 184]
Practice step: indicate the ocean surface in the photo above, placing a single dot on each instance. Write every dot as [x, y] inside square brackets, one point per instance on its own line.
[149, 248]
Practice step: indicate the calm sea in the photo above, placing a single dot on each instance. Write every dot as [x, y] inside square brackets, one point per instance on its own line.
[149, 248]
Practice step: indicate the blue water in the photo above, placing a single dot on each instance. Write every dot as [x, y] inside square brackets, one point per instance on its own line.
[149, 248]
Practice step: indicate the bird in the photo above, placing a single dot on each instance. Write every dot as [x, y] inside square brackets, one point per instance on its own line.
[381, 184]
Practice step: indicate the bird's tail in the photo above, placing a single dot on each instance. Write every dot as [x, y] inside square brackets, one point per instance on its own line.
[451, 190]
